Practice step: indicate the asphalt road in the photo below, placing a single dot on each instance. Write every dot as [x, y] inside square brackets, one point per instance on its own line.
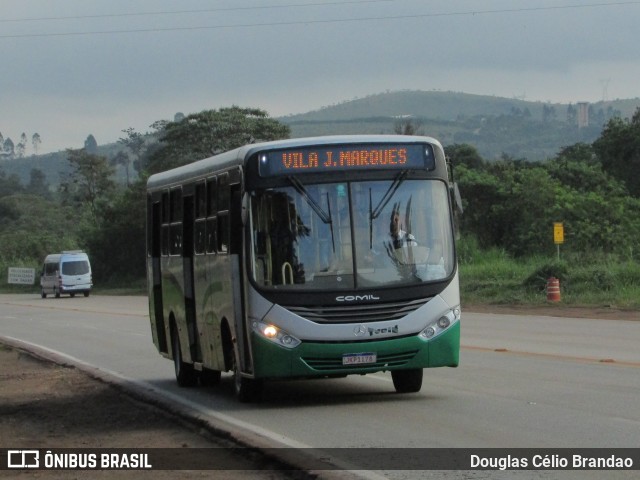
[523, 382]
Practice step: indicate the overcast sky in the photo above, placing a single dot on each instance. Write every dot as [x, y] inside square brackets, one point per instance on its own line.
[70, 68]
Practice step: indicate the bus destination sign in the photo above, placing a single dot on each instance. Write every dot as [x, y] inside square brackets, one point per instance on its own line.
[345, 157]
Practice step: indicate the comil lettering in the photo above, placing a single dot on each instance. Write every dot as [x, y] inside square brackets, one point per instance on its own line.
[356, 298]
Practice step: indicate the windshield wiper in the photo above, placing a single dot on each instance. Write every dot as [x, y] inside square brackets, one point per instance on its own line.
[370, 221]
[315, 206]
[391, 191]
[386, 198]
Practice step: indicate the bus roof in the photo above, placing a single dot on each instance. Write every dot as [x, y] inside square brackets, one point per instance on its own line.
[239, 155]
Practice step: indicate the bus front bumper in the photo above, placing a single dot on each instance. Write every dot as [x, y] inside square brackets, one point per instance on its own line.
[316, 359]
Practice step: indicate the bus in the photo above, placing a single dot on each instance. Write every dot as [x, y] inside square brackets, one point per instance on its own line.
[305, 258]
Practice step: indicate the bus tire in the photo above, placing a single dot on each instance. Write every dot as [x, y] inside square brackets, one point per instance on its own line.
[86, 294]
[43, 294]
[246, 389]
[56, 293]
[185, 373]
[407, 381]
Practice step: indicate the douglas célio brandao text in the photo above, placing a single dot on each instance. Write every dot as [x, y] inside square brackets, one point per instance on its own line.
[551, 462]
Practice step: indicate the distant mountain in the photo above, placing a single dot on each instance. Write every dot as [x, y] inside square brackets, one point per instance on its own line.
[494, 125]
[437, 105]
[54, 165]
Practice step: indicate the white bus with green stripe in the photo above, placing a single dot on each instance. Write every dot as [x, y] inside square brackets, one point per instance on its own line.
[305, 258]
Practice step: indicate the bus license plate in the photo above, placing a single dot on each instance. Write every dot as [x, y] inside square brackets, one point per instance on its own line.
[358, 358]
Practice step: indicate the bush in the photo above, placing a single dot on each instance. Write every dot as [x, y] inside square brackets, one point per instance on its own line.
[538, 279]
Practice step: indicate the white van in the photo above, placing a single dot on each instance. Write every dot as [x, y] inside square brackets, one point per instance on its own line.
[66, 272]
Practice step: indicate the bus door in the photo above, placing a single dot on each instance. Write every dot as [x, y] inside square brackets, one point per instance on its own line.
[154, 237]
[212, 278]
[187, 268]
[236, 249]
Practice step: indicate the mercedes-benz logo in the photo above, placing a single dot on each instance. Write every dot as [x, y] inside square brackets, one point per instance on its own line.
[360, 330]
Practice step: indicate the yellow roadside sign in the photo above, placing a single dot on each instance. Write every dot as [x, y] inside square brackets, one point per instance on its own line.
[558, 233]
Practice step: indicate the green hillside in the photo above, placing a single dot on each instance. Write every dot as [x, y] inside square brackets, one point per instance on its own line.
[494, 125]
[436, 105]
[54, 165]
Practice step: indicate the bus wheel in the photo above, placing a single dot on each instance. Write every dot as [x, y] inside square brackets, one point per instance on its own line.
[43, 294]
[86, 294]
[185, 374]
[209, 378]
[56, 293]
[407, 381]
[246, 389]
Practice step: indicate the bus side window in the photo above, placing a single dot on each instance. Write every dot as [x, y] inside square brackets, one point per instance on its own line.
[165, 224]
[211, 213]
[211, 243]
[201, 213]
[175, 240]
[223, 213]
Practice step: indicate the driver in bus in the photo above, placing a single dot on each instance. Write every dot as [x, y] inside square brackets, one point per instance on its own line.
[399, 237]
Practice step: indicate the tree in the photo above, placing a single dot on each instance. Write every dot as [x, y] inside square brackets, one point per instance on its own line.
[478, 190]
[408, 126]
[463, 154]
[35, 142]
[118, 248]
[38, 184]
[548, 113]
[9, 185]
[21, 147]
[135, 143]
[572, 115]
[209, 132]
[618, 148]
[122, 158]
[90, 184]
[512, 204]
[9, 148]
[91, 145]
[31, 227]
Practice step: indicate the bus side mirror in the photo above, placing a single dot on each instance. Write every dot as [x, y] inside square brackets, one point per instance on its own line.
[457, 198]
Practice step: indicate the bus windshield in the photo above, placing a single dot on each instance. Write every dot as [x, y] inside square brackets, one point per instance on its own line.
[351, 235]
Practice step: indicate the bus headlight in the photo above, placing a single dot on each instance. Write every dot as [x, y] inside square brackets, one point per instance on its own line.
[445, 321]
[275, 335]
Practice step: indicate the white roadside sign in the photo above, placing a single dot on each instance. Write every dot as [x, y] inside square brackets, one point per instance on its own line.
[21, 276]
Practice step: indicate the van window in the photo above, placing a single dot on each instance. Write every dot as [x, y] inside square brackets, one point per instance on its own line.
[50, 268]
[79, 267]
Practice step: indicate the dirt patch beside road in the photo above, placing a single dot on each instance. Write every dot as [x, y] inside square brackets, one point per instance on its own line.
[44, 405]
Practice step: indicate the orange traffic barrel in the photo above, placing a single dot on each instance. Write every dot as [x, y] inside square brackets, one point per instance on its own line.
[553, 290]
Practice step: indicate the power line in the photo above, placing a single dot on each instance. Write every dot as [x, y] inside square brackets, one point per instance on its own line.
[327, 21]
[207, 10]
